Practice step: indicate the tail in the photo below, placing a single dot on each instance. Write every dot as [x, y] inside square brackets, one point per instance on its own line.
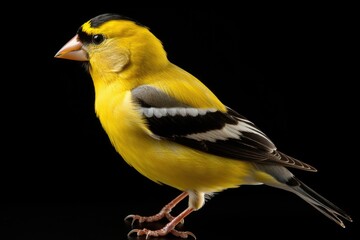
[282, 178]
[317, 201]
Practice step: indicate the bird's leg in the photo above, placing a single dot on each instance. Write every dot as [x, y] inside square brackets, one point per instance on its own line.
[169, 228]
[165, 212]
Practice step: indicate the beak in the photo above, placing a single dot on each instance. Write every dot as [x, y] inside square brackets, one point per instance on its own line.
[73, 50]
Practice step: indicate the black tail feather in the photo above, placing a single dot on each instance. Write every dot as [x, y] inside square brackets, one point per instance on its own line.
[319, 202]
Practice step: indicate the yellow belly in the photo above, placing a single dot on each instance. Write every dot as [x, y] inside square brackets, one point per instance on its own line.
[184, 168]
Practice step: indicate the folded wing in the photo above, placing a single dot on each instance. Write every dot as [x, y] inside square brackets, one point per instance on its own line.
[226, 134]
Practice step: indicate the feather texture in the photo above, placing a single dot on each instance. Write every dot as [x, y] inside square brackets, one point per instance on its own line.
[226, 134]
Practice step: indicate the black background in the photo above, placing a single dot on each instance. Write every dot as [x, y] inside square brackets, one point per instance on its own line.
[292, 71]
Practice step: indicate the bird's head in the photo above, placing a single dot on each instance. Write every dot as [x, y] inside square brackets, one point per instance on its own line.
[111, 43]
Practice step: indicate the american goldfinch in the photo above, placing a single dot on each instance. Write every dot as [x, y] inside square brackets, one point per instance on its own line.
[171, 128]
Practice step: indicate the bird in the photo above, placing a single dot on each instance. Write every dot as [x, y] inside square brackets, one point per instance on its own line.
[168, 125]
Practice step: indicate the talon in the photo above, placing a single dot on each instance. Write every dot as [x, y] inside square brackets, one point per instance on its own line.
[132, 231]
[159, 233]
[133, 217]
[153, 218]
[169, 228]
[128, 216]
[142, 219]
[182, 234]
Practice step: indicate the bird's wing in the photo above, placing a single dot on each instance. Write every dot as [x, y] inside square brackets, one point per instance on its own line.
[226, 134]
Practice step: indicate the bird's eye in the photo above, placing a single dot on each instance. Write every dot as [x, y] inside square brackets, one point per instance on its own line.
[98, 38]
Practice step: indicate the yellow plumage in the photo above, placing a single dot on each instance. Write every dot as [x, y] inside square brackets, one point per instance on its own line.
[120, 118]
[170, 162]
[171, 128]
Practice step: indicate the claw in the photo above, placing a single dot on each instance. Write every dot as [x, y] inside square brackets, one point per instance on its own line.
[133, 219]
[154, 218]
[161, 232]
[165, 212]
[169, 228]
[142, 219]
[183, 234]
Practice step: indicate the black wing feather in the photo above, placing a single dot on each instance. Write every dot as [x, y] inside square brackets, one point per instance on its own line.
[226, 134]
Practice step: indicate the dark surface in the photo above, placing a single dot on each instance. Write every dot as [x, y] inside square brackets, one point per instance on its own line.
[294, 75]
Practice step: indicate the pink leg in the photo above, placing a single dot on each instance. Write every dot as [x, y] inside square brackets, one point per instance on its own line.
[169, 228]
[165, 211]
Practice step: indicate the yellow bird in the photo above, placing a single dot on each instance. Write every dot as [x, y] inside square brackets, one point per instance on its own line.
[171, 128]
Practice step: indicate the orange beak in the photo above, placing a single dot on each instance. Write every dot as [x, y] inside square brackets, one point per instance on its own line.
[73, 50]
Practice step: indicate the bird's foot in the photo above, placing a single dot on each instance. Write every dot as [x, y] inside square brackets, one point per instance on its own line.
[161, 232]
[153, 218]
[165, 212]
[169, 228]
